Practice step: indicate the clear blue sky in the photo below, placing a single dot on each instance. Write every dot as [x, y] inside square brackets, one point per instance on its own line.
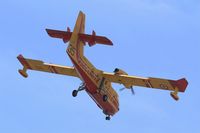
[152, 38]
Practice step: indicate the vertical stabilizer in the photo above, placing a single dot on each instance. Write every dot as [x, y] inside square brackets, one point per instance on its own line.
[75, 44]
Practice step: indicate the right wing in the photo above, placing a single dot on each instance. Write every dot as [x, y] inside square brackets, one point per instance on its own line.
[164, 84]
[44, 67]
[157, 83]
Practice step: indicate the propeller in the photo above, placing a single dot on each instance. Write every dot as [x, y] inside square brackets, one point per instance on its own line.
[132, 90]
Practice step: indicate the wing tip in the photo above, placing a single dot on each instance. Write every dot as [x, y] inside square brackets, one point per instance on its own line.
[23, 61]
[20, 56]
[181, 84]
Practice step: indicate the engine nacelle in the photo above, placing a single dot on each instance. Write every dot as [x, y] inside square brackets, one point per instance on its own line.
[118, 71]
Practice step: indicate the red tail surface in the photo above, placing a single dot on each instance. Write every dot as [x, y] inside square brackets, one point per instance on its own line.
[91, 39]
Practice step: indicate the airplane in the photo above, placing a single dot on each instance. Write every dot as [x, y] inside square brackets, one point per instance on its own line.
[95, 82]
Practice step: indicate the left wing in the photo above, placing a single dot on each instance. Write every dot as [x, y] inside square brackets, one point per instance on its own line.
[44, 67]
[164, 84]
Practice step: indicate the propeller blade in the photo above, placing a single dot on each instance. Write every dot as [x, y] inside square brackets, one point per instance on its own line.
[132, 90]
[122, 89]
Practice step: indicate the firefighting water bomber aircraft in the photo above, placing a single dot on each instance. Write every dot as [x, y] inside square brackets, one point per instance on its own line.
[95, 82]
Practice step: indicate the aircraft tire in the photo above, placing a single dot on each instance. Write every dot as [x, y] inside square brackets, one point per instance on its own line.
[74, 93]
[108, 118]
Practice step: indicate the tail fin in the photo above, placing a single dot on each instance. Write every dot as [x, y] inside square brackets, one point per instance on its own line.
[74, 42]
[79, 33]
[79, 27]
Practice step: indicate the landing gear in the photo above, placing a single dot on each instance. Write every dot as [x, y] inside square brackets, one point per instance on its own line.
[105, 98]
[75, 92]
[108, 117]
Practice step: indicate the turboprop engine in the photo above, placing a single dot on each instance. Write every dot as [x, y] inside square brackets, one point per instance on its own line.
[118, 71]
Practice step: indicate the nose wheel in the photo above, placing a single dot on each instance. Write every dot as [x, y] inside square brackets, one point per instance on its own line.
[108, 117]
[75, 92]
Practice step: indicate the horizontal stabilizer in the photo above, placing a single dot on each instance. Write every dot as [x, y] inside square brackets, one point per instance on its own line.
[60, 34]
[91, 39]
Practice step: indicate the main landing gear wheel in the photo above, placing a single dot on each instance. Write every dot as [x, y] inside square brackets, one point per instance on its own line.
[105, 98]
[74, 93]
[108, 117]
